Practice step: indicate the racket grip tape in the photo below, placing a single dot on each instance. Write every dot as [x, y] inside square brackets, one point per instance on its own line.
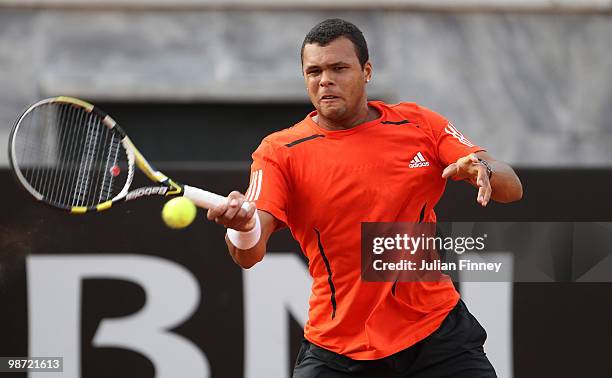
[206, 199]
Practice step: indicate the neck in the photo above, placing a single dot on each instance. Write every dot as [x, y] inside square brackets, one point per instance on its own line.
[365, 114]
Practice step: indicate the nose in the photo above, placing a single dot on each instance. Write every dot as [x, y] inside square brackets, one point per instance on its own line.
[326, 79]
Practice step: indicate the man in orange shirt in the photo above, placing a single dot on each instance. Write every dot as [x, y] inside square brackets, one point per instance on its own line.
[353, 161]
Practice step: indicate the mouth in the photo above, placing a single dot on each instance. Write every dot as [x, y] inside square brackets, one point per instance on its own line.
[329, 98]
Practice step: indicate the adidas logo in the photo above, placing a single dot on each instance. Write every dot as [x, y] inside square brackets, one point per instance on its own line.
[418, 161]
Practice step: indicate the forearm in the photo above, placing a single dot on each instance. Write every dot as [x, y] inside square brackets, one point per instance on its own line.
[505, 183]
[246, 258]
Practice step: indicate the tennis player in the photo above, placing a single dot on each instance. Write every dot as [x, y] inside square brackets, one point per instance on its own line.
[351, 161]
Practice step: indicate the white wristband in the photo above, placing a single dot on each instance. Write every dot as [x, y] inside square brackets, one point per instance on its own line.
[248, 239]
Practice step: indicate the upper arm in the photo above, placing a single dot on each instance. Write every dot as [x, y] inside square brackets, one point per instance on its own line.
[451, 144]
[269, 185]
[268, 190]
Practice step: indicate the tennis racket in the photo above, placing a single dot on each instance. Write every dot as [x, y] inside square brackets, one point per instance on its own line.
[71, 155]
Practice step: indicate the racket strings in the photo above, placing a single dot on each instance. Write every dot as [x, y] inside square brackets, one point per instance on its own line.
[106, 187]
[70, 143]
[59, 182]
[90, 149]
[68, 156]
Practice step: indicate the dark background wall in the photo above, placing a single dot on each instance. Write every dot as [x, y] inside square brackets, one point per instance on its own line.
[560, 329]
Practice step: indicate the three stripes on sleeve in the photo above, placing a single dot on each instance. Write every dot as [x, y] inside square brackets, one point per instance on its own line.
[252, 193]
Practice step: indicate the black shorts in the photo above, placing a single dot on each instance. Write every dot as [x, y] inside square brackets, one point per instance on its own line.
[453, 350]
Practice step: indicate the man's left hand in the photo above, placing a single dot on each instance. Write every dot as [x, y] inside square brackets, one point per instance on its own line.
[469, 168]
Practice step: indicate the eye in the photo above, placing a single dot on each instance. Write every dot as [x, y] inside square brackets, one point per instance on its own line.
[340, 68]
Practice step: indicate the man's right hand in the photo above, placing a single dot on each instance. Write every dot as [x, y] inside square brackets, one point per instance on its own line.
[231, 214]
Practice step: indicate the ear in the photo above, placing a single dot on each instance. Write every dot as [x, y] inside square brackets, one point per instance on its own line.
[367, 71]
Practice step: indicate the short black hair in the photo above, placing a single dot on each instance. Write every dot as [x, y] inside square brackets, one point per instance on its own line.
[331, 29]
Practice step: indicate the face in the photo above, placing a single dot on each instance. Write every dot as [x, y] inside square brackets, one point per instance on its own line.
[335, 80]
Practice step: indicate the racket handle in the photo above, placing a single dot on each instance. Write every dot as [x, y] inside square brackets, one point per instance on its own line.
[206, 199]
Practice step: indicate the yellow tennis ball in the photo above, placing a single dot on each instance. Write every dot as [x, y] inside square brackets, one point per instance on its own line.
[179, 212]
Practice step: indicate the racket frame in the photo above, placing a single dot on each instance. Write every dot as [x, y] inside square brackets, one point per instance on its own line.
[167, 187]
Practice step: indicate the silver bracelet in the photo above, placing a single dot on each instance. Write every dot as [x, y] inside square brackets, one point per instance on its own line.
[488, 166]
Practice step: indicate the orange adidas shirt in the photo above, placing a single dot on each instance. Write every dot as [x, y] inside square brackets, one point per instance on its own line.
[322, 184]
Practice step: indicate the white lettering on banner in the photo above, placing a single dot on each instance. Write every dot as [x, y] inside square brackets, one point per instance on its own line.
[54, 310]
[450, 129]
[273, 289]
